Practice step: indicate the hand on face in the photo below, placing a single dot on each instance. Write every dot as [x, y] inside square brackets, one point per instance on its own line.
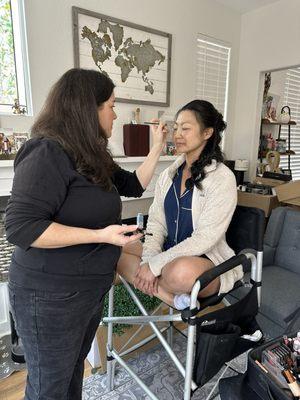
[159, 133]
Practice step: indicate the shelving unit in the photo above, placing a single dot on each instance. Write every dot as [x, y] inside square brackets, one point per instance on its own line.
[289, 152]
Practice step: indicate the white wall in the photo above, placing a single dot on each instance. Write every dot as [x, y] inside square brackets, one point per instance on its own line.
[50, 45]
[270, 39]
[277, 87]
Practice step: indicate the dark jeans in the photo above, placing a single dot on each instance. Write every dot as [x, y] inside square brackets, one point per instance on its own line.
[57, 330]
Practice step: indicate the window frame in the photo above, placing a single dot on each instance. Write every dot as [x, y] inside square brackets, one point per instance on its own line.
[21, 60]
[291, 97]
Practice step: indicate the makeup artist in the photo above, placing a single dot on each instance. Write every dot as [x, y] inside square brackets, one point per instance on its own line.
[64, 216]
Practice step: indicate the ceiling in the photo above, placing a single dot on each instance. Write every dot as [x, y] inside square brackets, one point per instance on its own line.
[243, 6]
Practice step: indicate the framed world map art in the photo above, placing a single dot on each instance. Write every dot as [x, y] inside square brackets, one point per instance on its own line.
[136, 58]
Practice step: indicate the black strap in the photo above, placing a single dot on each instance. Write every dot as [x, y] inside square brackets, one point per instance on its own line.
[255, 284]
[187, 315]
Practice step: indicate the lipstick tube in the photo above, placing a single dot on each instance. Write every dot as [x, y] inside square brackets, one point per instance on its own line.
[292, 383]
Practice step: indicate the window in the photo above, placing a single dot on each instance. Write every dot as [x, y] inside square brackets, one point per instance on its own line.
[14, 71]
[213, 59]
[292, 99]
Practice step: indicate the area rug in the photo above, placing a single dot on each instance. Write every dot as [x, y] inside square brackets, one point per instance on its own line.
[158, 372]
[7, 366]
[153, 366]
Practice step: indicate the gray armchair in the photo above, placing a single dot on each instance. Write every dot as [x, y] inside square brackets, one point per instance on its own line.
[281, 271]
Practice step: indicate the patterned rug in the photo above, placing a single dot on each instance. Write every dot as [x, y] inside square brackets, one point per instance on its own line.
[158, 372]
[153, 366]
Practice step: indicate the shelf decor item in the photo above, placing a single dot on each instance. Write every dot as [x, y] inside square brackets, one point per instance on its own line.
[11, 142]
[18, 109]
[285, 115]
[136, 140]
[137, 58]
[280, 145]
[269, 107]
[283, 145]
[273, 161]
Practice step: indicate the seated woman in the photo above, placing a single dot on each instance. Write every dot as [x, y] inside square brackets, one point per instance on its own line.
[194, 201]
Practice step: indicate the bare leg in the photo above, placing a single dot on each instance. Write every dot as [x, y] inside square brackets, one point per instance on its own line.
[180, 274]
[177, 276]
[128, 265]
[129, 261]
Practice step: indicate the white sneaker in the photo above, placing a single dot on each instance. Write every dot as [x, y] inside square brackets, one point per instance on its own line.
[182, 301]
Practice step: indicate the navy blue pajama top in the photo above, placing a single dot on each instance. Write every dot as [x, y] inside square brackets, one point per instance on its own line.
[178, 212]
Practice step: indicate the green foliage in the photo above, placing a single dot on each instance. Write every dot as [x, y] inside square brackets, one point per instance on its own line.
[8, 83]
[124, 305]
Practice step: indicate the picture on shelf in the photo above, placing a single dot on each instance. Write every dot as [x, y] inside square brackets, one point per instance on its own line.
[270, 107]
[11, 142]
[19, 140]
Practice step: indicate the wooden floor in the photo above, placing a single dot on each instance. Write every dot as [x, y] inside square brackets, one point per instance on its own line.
[12, 387]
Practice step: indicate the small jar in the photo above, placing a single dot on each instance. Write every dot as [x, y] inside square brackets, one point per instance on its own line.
[281, 145]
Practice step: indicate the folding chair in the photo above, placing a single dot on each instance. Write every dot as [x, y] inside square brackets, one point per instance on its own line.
[225, 326]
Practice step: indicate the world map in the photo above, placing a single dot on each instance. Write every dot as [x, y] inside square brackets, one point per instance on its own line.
[108, 43]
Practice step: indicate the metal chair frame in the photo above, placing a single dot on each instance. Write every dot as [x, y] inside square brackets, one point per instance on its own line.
[189, 386]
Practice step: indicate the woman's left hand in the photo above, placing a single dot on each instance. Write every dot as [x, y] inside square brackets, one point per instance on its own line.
[159, 133]
[145, 280]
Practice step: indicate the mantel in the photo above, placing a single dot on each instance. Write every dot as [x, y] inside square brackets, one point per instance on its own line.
[6, 163]
[128, 163]
[129, 160]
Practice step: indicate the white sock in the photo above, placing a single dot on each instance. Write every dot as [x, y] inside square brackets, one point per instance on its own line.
[182, 301]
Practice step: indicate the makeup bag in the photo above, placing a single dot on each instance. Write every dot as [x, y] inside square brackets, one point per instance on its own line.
[255, 384]
[262, 383]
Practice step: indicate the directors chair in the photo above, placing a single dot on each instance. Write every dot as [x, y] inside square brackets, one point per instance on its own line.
[216, 337]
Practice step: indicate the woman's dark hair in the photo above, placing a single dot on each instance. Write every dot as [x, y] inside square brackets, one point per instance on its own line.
[208, 117]
[70, 116]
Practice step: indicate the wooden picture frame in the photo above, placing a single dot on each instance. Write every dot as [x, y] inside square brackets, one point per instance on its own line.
[137, 58]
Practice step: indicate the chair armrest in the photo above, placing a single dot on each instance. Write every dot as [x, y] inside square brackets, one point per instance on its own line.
[269, 253]
[208, 276]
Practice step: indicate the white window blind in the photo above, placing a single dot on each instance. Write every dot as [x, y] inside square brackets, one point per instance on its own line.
[292, 99]
[213, 61]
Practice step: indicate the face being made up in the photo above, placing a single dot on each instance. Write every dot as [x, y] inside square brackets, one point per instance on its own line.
[190, 137]
[107, 115]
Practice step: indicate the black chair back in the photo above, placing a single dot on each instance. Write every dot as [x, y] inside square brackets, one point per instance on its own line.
[246, 230]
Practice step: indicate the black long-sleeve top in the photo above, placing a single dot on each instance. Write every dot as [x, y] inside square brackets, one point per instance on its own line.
[47, 188]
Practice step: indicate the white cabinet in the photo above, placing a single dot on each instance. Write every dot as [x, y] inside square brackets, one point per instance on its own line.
[6, 177]
[4, 310]
[132, 163]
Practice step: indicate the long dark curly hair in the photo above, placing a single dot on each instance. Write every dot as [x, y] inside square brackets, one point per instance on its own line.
[208, 117]
[70, 116]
